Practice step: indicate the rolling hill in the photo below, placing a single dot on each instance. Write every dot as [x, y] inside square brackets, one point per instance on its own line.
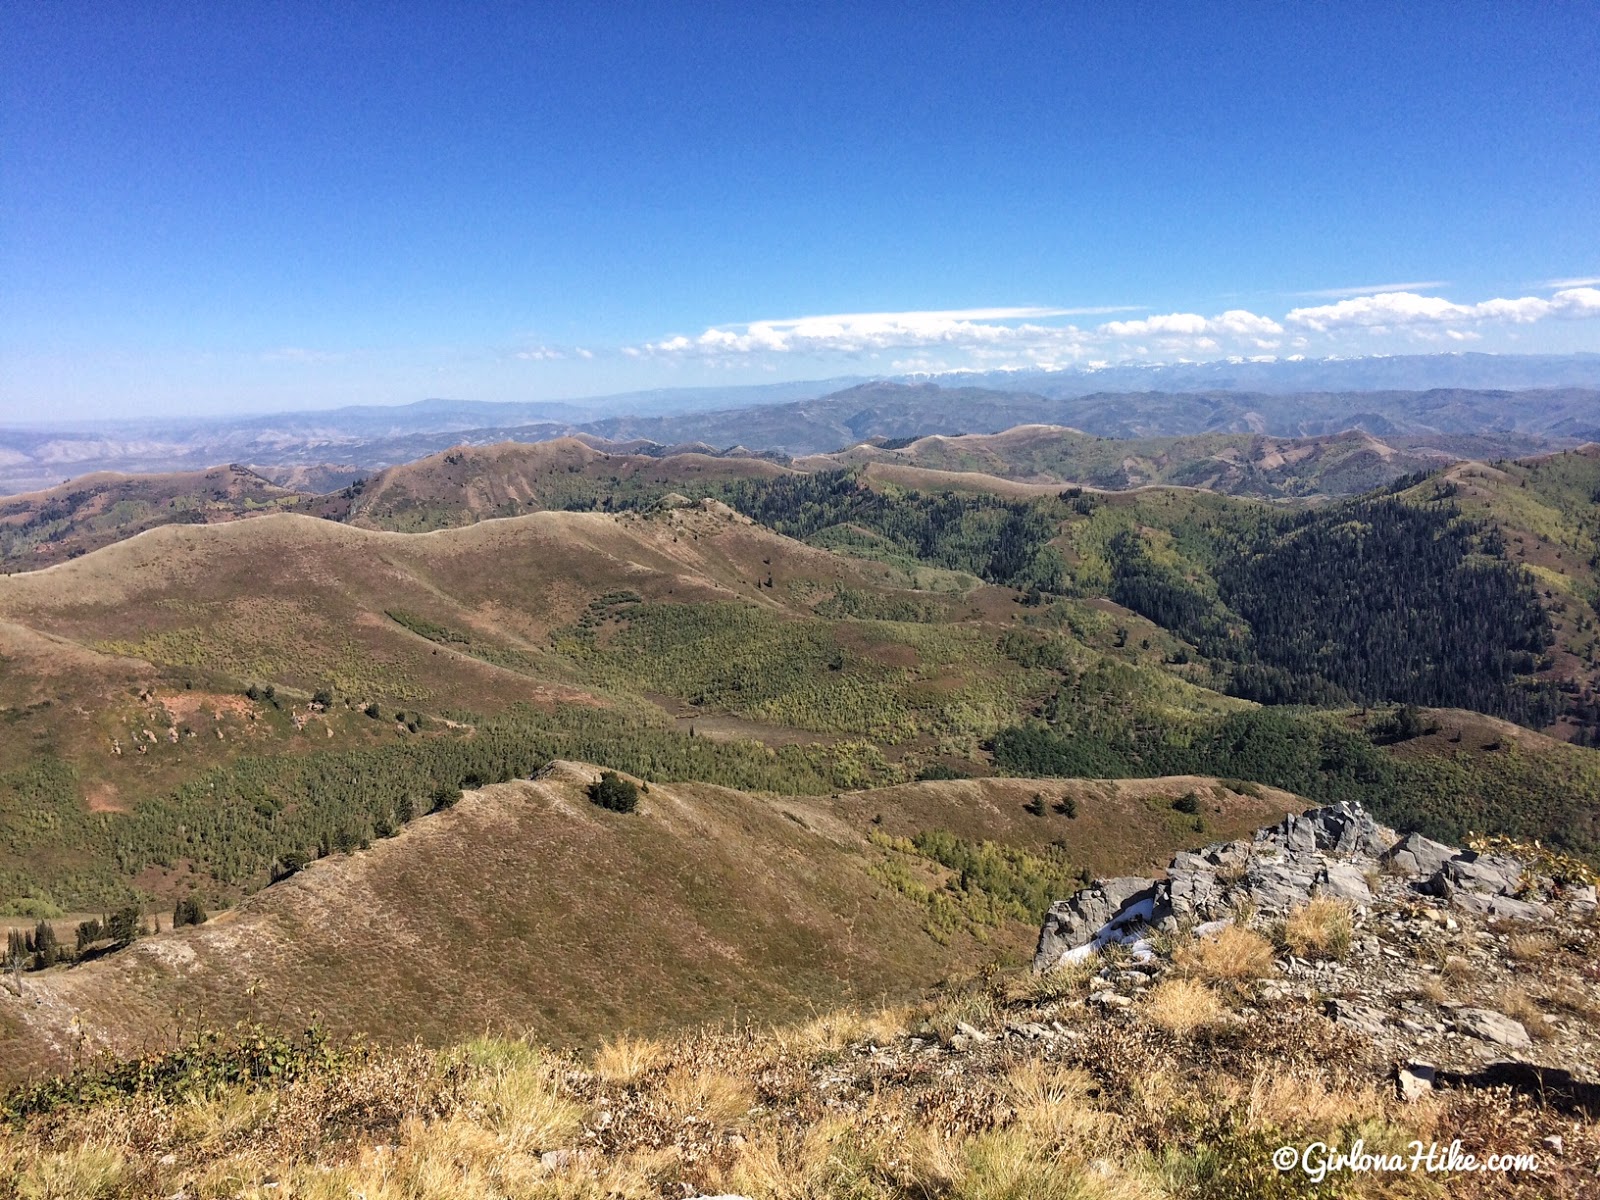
[40, 528]
[1231, 463]
[467, 484]
[823, 418]
[525, 907]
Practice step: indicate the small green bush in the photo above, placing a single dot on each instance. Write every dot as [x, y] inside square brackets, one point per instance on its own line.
[613, 792]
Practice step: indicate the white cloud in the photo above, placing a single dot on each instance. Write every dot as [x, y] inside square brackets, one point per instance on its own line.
[1388, 309]
[1235, 322]
[540, 354]
[1040, 338]
[862, 333]
[1336, 293]
[1586, 281]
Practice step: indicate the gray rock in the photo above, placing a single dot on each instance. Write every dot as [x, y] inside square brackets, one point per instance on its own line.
[1077, 921]
[1491, 874]
[1419, 856]
[1491, 1026]
[1363, 1018]
[1191, 890]
[1346, 881]
[1343, 829]
[1414, 1081]
[1277, 886]
[1500, 906]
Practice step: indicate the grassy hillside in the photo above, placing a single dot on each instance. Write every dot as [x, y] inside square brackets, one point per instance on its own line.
[1231, 463]
[179, 696]
[40, 528]
[468, 483]
[895, 634]
[527, 906]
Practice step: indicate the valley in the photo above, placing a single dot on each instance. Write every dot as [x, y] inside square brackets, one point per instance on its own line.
[882, 706]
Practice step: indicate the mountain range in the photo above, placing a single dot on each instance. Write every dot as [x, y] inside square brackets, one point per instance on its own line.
[1531, 402]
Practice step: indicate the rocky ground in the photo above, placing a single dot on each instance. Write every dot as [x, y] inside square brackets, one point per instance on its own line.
[1441, 957]
[1324, 983]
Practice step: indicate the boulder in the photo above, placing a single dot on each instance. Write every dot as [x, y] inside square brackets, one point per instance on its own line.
[1418, 856]
[1492, 1026]
[1363, 1018]
[1344, 829]
[1346, 881]
[1414, 1081]
[1491, 874]
[1500, 906]
[1079, 920]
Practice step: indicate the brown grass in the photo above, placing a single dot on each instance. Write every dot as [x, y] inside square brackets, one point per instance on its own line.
[625, 1059]
[1530, 947]
[1182, 1006]
[1515, 1003]
[1235, 956]
[1319, 930]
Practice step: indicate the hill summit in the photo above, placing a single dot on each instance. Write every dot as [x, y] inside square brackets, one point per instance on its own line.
[1225, 1058]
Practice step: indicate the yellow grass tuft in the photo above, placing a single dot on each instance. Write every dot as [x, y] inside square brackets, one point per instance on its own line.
[1183, 1005]
[1053, 1103]
[1519, 1006]
[89, 1172]
[1320, 929]
[625, 1059]
[1058, 983]
[1530, 947]
[715, 1096]
[1236, 955]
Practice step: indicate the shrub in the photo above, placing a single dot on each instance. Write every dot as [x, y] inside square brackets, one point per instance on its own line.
[1321, 929]
[188, 911]
[1235, 955]
[1182, 1006]
[1188, 804]
[124, 925]
[613, 792]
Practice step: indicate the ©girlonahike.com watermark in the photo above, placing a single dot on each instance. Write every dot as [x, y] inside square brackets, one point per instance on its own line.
[1318, 1160]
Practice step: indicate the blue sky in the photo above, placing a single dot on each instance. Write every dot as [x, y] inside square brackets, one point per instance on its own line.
[208, 208]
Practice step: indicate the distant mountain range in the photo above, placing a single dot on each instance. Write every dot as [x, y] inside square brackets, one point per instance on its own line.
[1531, 403]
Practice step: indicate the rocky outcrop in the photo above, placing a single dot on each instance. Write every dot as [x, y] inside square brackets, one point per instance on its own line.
[1338, 851]
[1450, 959]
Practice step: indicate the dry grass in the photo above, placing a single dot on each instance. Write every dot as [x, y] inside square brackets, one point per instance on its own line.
[1235, 955]
[1320, 929]
[1433, 990]
[715, 1096]
[1519, 1006]
[1530, 947]
[832, 1109]
[1457, 971]
[1059, 983]
[1182, 1006]
[626, 1059]
[87, 1172]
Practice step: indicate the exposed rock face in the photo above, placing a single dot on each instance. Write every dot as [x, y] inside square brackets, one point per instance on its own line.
[1338, 851]
[1450, 959]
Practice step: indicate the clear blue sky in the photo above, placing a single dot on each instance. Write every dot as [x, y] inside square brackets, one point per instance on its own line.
[207, 207]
